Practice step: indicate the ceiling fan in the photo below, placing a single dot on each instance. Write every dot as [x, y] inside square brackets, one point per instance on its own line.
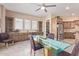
[44, 7]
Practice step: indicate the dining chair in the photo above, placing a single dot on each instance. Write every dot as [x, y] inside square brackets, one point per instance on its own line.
[75, 51]
[35, 46]
[50, 35]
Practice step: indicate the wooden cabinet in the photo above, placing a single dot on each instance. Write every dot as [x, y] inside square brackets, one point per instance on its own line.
[69, 24]
[16, 36]
[40, 26]
[76, 22]
[66, 25]
[9, 24]
[69, 35]
[21, 36]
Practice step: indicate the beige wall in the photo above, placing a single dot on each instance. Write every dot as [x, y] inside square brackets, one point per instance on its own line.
[54, 26]
[44, 27]
[2, 18]
[22, 15]
[70, 18]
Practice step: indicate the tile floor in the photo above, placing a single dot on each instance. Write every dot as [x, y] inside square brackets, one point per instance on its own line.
[19, 49]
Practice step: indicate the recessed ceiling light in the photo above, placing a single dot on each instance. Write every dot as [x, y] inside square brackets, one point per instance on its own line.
[42, 7]
[67, 8]
[73, 14]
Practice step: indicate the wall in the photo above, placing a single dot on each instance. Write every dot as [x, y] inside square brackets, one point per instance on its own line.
[54, 26]
[22, 15]
[2, 18]
[73, 18]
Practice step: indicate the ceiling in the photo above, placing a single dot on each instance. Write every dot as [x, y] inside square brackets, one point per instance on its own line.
[30, 8]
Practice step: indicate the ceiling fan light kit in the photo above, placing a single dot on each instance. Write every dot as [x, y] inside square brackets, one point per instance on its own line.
[44, 7]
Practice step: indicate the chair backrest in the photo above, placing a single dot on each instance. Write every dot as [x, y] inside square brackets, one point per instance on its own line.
[32, 41]
[51, 36]
[3, 36]
[75, 50]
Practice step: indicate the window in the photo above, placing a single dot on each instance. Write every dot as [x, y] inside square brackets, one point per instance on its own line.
[24, 25]
[27, 24]
[18, 24]
[34, 25]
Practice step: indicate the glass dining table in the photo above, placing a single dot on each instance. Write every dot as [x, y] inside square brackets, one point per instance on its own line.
[53, 45]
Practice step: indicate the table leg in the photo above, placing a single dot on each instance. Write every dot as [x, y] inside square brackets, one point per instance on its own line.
[47, 52]
[6, 44]
[13, 42]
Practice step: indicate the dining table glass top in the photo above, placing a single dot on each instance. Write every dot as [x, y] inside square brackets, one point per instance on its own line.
[53, 43]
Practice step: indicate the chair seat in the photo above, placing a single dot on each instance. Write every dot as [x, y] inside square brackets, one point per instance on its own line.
[37, 47]
[64, 53]
[50, 35]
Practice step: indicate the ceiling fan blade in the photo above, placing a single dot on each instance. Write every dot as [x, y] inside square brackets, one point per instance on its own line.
[43, 4]
[38, 4]
[37, 9]
[45, 10]
[50, 5]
